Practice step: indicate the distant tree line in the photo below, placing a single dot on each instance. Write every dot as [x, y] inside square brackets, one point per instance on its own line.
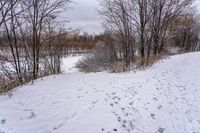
[81, 43]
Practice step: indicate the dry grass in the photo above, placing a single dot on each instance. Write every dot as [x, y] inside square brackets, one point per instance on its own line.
[145, 62]
[117, 67]
[8, 85]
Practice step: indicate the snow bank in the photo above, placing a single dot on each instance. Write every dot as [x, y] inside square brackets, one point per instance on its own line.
[161, 99]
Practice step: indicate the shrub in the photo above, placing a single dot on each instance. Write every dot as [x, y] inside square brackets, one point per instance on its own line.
[149, 61]
[91, 64]
[117, 67]
[97, 61]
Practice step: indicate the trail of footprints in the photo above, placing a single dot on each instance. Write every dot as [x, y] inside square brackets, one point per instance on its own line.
[123, 114]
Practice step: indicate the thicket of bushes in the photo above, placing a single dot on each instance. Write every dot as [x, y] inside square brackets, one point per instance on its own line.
[100, 60]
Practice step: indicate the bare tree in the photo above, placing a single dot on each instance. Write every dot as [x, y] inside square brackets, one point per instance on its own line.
[145, 22]
[117, 21]
[164, 12]
[24, 23]
[185, 32]
[36, 16]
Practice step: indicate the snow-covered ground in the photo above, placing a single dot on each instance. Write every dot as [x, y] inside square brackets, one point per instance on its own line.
[162, 99]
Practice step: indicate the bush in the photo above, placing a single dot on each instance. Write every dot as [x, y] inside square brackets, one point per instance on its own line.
[97, 61]
[149, 61]
[90, 64]
[117, 67]
[102, 59]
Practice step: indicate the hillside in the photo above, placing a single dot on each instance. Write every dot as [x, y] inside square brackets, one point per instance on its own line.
[160, 99]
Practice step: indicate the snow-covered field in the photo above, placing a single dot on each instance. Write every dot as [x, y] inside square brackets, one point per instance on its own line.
[162, 99]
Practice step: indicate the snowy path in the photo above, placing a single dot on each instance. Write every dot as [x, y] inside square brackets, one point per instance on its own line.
[161, 99]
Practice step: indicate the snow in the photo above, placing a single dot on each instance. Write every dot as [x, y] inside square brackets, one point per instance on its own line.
[68, 64]
[161, 99]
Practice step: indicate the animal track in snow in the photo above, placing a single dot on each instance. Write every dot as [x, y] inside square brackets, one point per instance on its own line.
[3, 121]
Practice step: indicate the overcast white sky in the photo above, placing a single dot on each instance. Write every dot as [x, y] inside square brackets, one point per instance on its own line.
[84, 16]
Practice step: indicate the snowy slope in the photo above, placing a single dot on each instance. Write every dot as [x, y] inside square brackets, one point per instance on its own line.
[161, 99]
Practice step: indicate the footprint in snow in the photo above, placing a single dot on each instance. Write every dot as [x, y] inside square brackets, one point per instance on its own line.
[116, 102]
[57, 127]
[161, 130]
[3, 121]
[119, 119]
[111, 104]
[32, 115]
[122, 108]
[114, 93]
[115, 129]
[190, 120]
[80, 97]
[102, 129]
[153, 116]
[106, 99]
[159, 107]
[115, 97]
[155, 99]
[94, 102]
[188, 112]
[73, 115]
